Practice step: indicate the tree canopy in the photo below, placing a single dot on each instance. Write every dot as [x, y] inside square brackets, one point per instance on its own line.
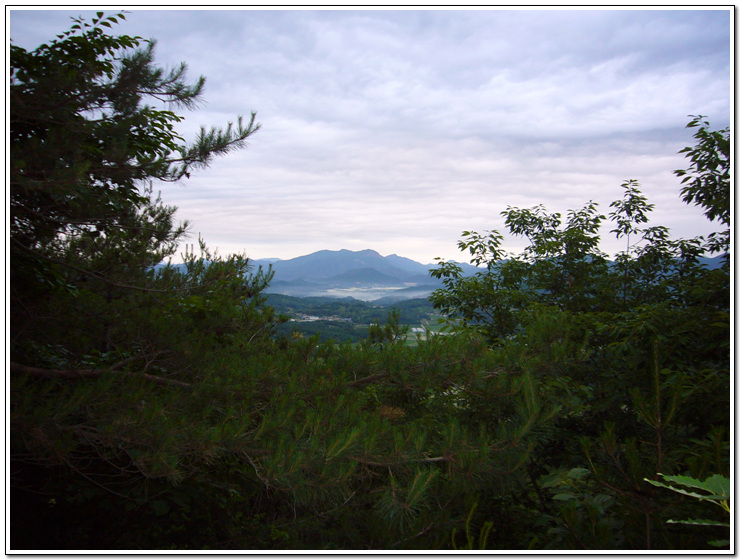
[86, 135]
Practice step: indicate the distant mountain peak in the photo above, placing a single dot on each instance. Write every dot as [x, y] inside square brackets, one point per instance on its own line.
[332, 269]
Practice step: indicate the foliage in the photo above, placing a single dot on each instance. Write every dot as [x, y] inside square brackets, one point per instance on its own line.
[470, 538]
[581, 513]
[99, 330]
[707, 179]
[154, 406]
[624, 348]
[717, 488]
[392, 332]
[346, 319]
[83, 139]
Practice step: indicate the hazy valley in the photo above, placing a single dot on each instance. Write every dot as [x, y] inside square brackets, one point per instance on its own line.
[362, 275]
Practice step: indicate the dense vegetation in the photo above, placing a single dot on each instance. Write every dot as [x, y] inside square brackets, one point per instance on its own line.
[159, 409]
[344, 319]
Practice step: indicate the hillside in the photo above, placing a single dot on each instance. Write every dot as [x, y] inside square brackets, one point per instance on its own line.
[362, 277]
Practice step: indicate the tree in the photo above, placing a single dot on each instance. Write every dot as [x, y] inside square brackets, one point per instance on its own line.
[707, 179]
[109, 345]
[85, 143]
[562, 266]
[84, 139]
[636, 352]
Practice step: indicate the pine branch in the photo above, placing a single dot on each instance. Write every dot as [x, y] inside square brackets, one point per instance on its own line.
[369, 463]
[87, 373]
[421, 533]
[111, 282]
[367, 379]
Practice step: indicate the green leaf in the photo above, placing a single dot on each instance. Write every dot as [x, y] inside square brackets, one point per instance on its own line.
[686, 481]
[578, 472]
[684, 492]
[718, 485]
[564, 496]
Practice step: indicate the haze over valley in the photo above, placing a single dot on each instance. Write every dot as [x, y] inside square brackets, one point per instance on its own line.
[363, 275]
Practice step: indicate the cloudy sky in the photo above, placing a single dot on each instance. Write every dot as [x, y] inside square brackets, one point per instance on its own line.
[396, 130]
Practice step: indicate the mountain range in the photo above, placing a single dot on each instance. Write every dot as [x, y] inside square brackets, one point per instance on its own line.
[364, 275]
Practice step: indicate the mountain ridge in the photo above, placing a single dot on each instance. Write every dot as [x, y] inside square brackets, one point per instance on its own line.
[324, 264]
[326, 272]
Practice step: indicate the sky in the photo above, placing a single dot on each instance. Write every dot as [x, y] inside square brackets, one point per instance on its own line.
[396, 130]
